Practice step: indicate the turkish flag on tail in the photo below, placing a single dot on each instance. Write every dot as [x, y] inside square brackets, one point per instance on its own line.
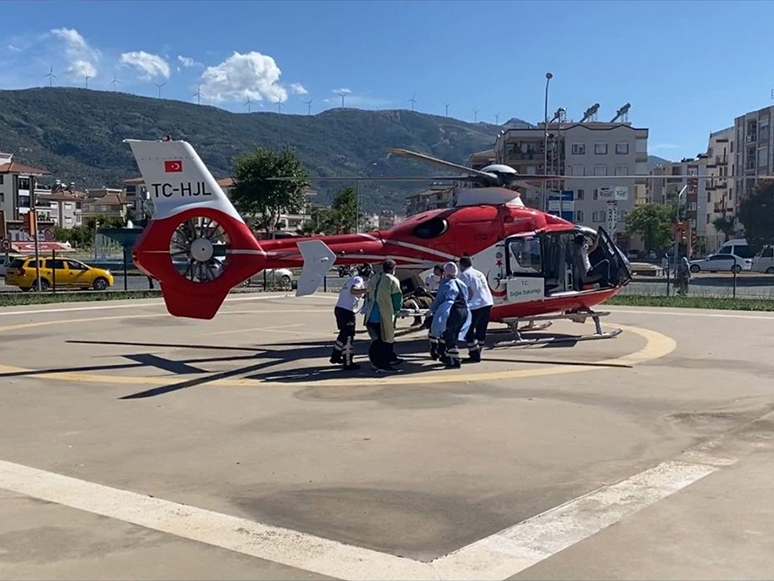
[173, 166]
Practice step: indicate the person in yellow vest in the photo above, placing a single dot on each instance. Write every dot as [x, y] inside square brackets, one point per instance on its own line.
[384, 300]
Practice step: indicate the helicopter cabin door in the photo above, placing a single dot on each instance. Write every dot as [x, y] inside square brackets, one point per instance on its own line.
[619, 265]
[525, 280]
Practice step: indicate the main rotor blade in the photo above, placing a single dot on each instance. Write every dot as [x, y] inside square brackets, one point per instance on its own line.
[384, 179]
[442, 163]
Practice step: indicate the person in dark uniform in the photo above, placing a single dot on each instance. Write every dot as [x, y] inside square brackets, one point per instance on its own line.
[347, 306]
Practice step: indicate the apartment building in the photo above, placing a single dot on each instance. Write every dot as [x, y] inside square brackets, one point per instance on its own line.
[62, 206]
[17, 182]
[435, 197]
[603, 154]
[108, 202]
[719, 188]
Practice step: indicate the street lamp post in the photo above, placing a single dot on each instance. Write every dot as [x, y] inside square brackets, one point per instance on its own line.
[549, 76]
[677, 234]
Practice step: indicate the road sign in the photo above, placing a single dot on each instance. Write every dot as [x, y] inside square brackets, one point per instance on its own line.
[5, 245]
[612, 217]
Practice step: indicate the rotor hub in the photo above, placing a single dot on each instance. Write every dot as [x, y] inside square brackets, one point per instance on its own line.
[202, 250]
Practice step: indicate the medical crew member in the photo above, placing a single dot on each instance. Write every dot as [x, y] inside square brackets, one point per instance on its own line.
[347, 306]
[450, 316]
[480, 304]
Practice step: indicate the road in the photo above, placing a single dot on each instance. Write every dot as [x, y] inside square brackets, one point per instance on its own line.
[138, 445]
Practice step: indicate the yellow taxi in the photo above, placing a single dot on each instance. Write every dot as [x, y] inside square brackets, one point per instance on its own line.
[65, 272]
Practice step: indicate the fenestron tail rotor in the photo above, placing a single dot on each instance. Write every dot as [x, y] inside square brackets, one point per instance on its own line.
[198, 249]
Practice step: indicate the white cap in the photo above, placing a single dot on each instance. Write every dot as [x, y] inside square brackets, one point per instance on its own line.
[451, 268]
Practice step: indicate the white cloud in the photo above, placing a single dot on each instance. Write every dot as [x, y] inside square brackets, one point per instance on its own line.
[148, 65]
[240, 76]
[82, 69]
[187, 61]
[81, 57]
[298, 89]
[340, 91]
[13, 48]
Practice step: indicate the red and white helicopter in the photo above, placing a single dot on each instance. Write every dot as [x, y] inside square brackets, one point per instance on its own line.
[199, 248]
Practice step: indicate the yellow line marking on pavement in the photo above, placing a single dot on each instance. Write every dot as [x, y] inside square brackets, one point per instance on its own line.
[657, 345]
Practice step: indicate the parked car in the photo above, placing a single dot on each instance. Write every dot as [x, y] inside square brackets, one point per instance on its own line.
[3, 265]
[274, 277]
[721, 263]
[66, 272]
[764, 261]
[739, 247]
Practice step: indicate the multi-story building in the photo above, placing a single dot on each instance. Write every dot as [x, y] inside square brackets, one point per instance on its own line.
[754, 155]
[62, 206]
[17, 182]
[107, 202]
[606, 155]
[720, 189]
[435, 197]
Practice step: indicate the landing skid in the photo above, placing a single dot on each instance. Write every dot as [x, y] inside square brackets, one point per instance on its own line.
[545, 321]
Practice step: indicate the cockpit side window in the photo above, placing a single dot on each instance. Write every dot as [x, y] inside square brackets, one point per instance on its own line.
[431, 228]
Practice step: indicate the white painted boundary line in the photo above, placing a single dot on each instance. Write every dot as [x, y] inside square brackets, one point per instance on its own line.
[703, 313]
[496, 557]
[519, 547]
[275, 544]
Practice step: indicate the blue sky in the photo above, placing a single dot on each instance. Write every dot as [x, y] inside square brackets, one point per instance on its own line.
[687, 68]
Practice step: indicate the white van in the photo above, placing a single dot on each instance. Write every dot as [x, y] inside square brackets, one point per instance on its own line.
[764, 262]
[738, 247]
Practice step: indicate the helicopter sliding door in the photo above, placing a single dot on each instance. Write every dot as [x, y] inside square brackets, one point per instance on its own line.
[524, 268]
[619, 265]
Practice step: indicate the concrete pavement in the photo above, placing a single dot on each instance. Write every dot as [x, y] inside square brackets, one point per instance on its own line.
[242, 418]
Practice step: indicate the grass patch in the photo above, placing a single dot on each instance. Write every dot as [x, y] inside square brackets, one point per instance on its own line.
[18, 299]
[693, 303]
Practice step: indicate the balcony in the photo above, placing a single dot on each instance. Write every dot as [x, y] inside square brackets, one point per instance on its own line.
[752, 138]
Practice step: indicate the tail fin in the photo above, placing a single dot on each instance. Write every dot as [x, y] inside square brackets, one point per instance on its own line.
[196, 244]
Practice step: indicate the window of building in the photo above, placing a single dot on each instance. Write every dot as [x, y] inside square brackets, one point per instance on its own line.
[68, 219]
[580, 194]
[24, 201]
[579, 149]
[621, 148]
[595, 195]
[600, 148]
[708, 218]
[131, 190]
[68, 205]
[599, 216]
[2, 177]
[622, 170]
[104, 208]
[579, 216]
[578, 170]
[23, 183]
[2, 197]
[600, 170]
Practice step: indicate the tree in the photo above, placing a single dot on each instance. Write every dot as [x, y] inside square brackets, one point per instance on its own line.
[262, 200]
[344, 211]
[653, 223]
[756, 212]
[724, 225]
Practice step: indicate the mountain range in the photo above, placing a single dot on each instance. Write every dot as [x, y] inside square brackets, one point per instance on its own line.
[77, 134]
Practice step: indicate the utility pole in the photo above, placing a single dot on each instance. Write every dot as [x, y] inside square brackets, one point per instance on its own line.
[549, 76]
